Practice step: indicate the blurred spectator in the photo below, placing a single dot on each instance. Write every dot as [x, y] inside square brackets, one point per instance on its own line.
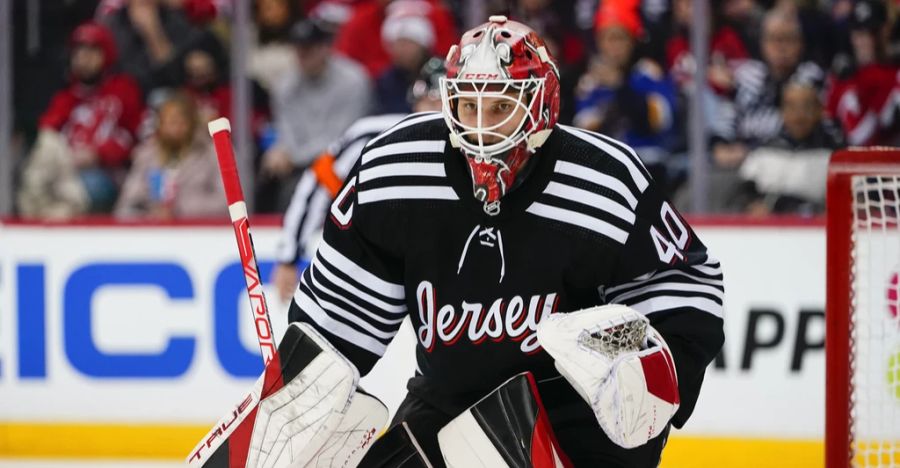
[553, 21]
[787, 174]
[272, 56]
[360, 37]
[205, 70]
[756, 117]
[821, 36]
[821, 33]
[862, 96]
[335, 12]
[408, 39]
[312, 106]
[86, 134]
[40, 56]
[725, 53]
[745, 16]
[321, 182]
[656, 19]
[174, 174]
[726, 49]
[152, 35]
[622, 95]
[199, 12]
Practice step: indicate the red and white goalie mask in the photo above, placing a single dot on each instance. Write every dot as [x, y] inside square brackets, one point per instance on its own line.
[500, 101]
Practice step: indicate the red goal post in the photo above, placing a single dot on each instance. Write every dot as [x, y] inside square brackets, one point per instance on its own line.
[862, 344]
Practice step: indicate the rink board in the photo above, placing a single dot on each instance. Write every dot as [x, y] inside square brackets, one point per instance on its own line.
[128, 342]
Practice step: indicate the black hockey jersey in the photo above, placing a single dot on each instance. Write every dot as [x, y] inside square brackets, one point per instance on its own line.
[406, 236]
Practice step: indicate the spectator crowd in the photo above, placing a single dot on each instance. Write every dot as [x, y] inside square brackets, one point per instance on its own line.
[118, 125]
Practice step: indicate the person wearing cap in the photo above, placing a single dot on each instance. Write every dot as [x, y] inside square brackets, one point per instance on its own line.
[408, 38]
[859, 95]
[311, 106]
[86, 133]
[623, 95]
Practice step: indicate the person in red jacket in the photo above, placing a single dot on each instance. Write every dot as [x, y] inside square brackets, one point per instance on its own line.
[864, 96]
[89, 125]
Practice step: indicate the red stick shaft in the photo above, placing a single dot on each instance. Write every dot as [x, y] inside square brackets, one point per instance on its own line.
[220, 130]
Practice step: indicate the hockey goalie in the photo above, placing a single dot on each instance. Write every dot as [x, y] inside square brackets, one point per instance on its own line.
[564, 311]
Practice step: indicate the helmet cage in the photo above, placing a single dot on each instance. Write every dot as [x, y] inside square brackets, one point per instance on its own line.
[525, 94]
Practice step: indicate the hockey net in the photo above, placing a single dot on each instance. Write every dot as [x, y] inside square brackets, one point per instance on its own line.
[862, 419]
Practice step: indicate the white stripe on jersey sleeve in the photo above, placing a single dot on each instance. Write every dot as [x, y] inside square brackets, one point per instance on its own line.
[640, 281]
[318, 287]
[404, 147]
[597, 177]
[318, 315]
[413, 119]
[620, 144]
[591, 199]
[579, 219]
[350, 316]
[407, 192]
[346, 287]
[402, 169]
[662, 303]
[372, 125]
[360, 274]
[669, 287]
[640, 180]
[711, 269]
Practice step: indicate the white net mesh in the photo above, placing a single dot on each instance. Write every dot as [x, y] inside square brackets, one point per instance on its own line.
[875, 326]
[622, 338]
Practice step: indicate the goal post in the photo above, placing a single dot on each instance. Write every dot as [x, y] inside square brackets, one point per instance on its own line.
[862, 340]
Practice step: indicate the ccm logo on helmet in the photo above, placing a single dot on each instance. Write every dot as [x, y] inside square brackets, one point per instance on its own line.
[480, 76]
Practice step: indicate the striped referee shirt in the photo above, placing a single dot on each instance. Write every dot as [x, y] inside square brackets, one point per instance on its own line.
[315, 189]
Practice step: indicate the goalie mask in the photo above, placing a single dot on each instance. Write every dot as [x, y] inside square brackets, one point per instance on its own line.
[500, 102]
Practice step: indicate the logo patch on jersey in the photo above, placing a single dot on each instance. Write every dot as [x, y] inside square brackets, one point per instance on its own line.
[503, 319]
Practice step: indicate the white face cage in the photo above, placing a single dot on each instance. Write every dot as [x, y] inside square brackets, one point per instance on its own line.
[486, 140]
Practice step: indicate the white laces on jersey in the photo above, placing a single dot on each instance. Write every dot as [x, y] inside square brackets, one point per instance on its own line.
[489, 236]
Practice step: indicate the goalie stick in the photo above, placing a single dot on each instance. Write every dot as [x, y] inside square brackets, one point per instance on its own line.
[347, 422]
[220, 131]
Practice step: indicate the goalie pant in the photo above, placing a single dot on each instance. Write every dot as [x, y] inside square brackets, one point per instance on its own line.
[581, 439]
[587, 226]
